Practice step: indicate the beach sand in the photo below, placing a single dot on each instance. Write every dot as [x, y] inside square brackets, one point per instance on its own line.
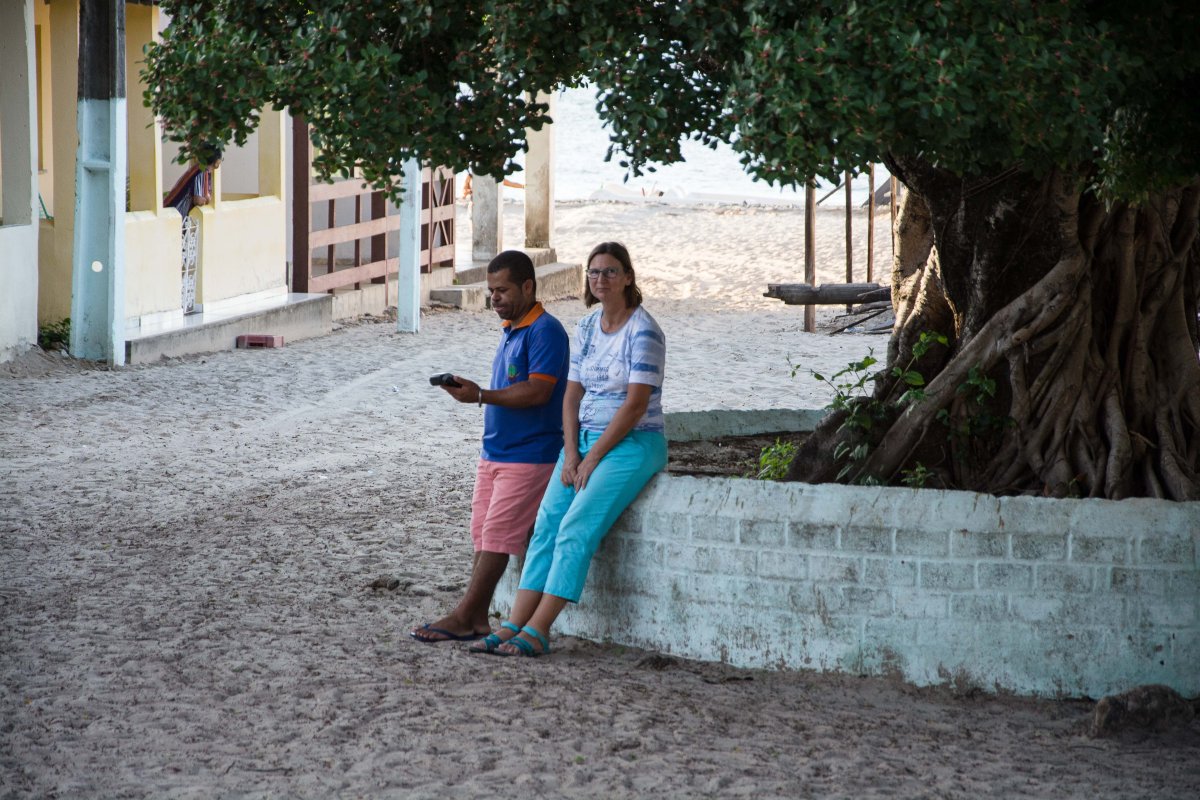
[186, 550]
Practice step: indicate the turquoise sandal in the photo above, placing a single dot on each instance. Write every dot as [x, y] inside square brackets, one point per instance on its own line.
[490, 642]
[524, 648]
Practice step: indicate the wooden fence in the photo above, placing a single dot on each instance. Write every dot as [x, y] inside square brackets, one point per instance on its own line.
[806, 294]
[320, 258]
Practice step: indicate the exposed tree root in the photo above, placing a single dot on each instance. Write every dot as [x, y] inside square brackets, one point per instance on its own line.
[1073, 364]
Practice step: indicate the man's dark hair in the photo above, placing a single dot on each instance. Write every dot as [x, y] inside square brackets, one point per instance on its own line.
[519, 266]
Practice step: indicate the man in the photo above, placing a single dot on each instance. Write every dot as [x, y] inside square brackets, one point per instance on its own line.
[522, 438]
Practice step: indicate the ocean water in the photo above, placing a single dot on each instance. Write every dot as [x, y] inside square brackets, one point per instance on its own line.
[705, 175]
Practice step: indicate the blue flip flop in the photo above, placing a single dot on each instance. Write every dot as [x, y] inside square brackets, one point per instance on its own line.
[492, 641]
[421, 634]
[524, 648]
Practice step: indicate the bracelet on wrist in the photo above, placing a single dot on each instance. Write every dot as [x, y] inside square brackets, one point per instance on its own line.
[481, 397]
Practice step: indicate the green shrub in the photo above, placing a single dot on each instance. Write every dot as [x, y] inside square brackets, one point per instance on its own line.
[774, 460]
[55, 335]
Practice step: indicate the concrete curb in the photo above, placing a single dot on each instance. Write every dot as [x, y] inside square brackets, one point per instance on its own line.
[555, 281]
[303, 316]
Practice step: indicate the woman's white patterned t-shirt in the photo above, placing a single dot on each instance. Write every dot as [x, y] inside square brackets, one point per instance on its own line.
[606, 363]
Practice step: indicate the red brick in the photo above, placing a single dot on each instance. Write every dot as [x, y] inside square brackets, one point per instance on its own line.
[259, 340]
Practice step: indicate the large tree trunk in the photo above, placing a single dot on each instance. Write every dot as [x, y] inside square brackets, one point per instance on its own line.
[1071, 361]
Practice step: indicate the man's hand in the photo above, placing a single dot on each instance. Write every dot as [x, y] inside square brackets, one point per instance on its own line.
[467, 393]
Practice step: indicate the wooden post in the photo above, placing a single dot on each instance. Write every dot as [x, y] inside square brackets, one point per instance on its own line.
[301, 208]
[810, 250]
[379, 245]
[895, 209]
[331, 249]
[849, 232]
[871, 224]
[358, 209]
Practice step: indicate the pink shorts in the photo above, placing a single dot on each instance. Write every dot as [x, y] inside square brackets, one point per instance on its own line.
[505, 504]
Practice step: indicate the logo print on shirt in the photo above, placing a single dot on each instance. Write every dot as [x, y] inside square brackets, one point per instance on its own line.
[512, 371]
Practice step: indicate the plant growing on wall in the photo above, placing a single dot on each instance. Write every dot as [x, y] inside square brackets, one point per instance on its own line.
[55, 335]
[774, 460]
[1049, 147]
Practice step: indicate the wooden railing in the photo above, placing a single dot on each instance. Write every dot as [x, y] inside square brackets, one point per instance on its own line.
[373, 220]
[807, 293]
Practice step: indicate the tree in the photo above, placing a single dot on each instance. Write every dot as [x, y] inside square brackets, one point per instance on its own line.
[1047, 280]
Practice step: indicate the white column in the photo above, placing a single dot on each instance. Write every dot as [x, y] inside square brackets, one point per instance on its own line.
[98, 261]
[408, 281]
[18, 144]
[487, 218]
[539, 182]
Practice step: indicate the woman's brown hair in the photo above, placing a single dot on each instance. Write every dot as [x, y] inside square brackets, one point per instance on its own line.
[633, 295]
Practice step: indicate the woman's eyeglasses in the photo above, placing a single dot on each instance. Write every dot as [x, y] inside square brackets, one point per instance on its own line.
[608, 272]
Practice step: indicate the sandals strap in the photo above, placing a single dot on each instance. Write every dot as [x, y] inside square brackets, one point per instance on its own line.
[492, 641]
[525, 647]
[529, 629]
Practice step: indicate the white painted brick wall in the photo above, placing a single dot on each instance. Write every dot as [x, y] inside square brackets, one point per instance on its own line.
[1036, 596]
[1032, 595]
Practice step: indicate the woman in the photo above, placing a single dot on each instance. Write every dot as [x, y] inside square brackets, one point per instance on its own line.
[613, 443]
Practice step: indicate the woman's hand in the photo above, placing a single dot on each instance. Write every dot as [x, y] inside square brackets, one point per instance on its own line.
[570, 467]
[584, 471]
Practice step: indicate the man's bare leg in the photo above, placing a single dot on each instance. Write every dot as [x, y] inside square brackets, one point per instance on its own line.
[470, 616]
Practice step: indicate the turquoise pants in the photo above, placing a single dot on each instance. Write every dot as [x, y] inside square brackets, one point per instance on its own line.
[570, 524]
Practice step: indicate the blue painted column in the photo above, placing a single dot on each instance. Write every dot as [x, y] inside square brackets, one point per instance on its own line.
[408, 281]
[98, 255]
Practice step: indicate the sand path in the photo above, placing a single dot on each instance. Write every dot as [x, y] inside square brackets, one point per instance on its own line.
[185, 551]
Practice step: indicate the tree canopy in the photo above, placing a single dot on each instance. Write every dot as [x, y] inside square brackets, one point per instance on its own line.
[799, 88]
[1047, 275]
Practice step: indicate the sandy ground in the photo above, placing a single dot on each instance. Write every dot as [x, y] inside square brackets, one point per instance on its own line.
[186, 549]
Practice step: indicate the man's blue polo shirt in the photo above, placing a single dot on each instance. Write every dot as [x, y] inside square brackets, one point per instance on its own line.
[536, 347]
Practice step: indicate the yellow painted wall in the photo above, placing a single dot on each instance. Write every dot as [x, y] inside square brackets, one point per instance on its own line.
[242, 248]
[41, 16]
[153, 236]
[45, 245]
[144, 134]
[153, 262]
[273, 132]
[54, 256]
[243, 243]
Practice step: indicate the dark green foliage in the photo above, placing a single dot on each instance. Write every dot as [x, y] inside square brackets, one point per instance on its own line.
[800, 88]
[774, 460]
[55, 335]
[1049, 145]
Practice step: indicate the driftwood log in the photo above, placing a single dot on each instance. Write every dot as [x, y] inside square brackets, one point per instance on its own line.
[802, 294]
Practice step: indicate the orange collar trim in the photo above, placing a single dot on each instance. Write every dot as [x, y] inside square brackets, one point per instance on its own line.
[530, 317]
